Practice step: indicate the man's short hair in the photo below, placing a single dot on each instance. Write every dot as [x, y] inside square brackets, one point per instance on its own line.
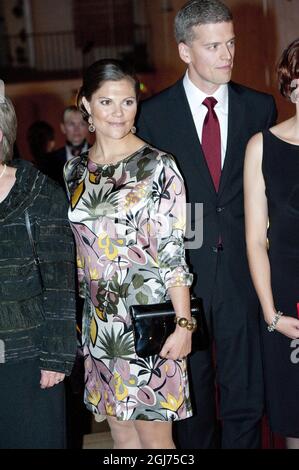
[196, 13]
[69, 109]
[39, 134]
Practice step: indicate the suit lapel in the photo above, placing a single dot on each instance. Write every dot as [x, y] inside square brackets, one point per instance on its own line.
[235, 123]
[188, 135]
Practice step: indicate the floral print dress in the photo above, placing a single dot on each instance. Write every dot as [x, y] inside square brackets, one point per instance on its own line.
[128, 220]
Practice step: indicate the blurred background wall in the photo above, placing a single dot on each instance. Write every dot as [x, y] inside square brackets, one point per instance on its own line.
[46, 44]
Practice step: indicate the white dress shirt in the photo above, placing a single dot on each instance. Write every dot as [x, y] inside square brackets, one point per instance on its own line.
[195, 98]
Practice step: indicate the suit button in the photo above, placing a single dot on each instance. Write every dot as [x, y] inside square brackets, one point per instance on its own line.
[220, 209]
[217, 248]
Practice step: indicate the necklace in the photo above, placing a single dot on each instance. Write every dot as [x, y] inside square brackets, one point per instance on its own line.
[3, 171]
[116, 162]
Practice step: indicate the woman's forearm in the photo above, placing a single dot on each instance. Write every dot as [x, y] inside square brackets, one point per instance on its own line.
[261, 277]
[180, 298]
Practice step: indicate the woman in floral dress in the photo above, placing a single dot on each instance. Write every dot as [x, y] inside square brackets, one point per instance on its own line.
[127, 211]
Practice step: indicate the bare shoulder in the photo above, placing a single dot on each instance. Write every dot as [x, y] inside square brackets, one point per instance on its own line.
[254, 148]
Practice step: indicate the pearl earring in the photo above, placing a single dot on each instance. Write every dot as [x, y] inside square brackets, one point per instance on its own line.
[91, 127]
[133, 130]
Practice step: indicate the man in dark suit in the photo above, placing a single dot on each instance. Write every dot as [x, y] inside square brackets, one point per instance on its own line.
[205, 121]
[75, 130]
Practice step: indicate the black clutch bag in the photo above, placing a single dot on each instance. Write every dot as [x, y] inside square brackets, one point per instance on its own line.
[153, 323]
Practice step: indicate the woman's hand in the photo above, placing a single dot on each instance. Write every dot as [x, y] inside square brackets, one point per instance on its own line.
[50, 378]
[178, 344]
[288, 326]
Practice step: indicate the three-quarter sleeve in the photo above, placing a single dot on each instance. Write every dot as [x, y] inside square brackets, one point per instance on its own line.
[169, 214]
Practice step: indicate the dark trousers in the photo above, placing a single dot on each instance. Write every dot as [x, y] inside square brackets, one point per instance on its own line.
[234, 326]
[78, 418]
[30, 417]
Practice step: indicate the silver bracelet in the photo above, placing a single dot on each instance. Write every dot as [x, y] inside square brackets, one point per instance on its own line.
[273, 325]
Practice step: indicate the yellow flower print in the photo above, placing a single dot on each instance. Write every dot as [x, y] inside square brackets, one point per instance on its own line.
[93, 178]
[109, 409]
[178, 279]
[75, 198]
[94, 275]
[134, 196]
[80, 262]
[93, 331]
[180, 223]
[172, 403]
[94, 397]
[108, 245]
[101, 315]
[133, 380]
[121, 390]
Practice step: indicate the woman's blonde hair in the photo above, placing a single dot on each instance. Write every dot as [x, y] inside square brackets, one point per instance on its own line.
[8, 126]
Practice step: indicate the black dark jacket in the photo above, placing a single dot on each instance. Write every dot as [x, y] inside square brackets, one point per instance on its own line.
[165, 121]
[35, 322]
[56, 161]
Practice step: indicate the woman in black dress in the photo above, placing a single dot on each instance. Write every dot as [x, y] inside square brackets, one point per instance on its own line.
[271, 182]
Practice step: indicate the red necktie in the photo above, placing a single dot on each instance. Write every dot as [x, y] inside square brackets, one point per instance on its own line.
[211, 141]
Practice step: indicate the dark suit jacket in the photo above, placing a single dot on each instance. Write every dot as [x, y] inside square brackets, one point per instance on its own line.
[166, 122]
[57, 160]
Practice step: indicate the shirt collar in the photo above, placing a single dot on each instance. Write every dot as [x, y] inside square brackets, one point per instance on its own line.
[195, 95]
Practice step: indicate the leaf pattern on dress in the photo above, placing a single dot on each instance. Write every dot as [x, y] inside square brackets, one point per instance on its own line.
[125, 259]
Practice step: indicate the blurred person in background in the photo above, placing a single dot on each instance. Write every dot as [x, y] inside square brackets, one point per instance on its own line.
[75, 130]
[41, 141]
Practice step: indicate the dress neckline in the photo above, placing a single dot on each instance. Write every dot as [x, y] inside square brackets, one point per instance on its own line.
[283, 141]
[123, 160]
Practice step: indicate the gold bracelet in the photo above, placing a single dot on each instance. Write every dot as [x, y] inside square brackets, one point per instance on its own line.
[185, 323]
